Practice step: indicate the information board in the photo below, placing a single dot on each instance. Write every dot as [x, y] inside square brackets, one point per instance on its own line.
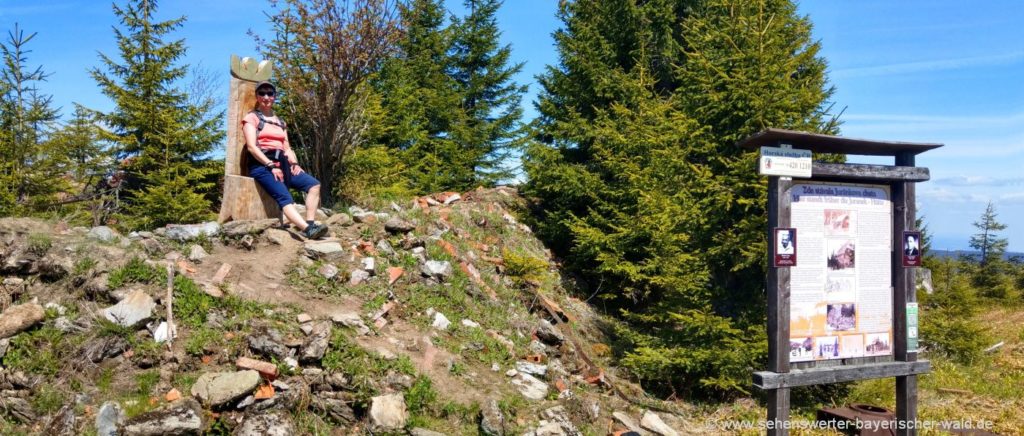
[841, 288]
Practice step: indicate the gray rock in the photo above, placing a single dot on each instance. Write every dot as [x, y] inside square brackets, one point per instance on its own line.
[17, 319]
[530, 386]
[275, 423]
[334, 408]
[183, 417]
[424, 432]
[351, 320]
[652, 421]
[247, 242]
[217, 388]
[102, 233]
[328, 271]
[104, 348]
[368, 264]
[385, 247]
[235, 229]
[132, 310]
[439, 270]
[340, 219]
[328, 250]
[278, 236]
[316, 343]
[320, 214]
[268, 342]
[388, 413]
[4, 344]
[441, 322]
[108, 418]
[549, 334]
[358, 276]
[19, 408]
[396, 225]
[197, 253]
[63, 423]
[492, 421]
[532, 368]
[629, 422]
[53, 267]
[188, 232]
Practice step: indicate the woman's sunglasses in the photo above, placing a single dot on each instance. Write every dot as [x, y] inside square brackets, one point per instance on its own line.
[265, 93]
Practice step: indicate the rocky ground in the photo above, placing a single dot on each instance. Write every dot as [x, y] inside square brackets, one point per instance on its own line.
[440, 316]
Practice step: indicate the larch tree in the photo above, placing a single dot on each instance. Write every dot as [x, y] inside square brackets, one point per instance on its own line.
[160, 136]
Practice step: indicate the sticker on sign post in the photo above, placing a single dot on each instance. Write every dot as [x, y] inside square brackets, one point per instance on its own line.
[912, 249]
[785, 162]
[785, 247]
[912, 330]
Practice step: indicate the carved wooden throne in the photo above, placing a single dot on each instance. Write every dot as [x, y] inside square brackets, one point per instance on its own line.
[243, 198]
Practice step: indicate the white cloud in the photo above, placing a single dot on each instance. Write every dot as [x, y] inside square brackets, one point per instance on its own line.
[932, 65]
[979, 181]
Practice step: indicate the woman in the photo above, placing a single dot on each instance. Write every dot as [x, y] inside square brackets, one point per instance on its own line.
[274, 165]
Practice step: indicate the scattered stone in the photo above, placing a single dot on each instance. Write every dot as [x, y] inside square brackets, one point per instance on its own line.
[185, 417]
[340, 219]
[278, 236]
[303, 318]
[652, 421]
[246, 402]
[327, 250]
[19, 318]
[439, 270]
[328, 271]
[470, 323]
[511, 373]
[4, 344]
[316, 343]
[394, 273]
[548, 334]
[131, 311]
[369, 264]
[532, 368]
[558, 416]
[187, 232]
[357, 277]
[334, 408]
[495, 367]
[266, 369]
[268, 343]
[236, 229]
[162, 333]
[63, 423]
[441, 322]
[448, 197]
[385, 247]
[292, 363]
[108, 418]
[248, 242]
[221, 274]
[306, 329]
[353, 321]
[424, 432]
[399, 226]
[629, 422]
[152, 246]
[172, 395]
[197, 253]
[492, 421]
[365, 218]
[102, 233]
[530, 386]
[105, 348]
[388, 413]
[217, 388]
[14, 282]
[275, 423]
[537, 347]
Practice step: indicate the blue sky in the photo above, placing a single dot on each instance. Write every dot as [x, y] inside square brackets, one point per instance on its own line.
[926, 71]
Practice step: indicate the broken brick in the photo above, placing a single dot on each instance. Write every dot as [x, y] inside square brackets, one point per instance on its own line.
[394, 273]
[264, 391]
[222, 273]
[172, 395]
[266, 369]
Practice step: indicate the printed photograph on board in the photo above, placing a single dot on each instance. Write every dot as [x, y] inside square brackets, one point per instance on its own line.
[851, 346]
[841, 316]
[840, 222]
[839, 285]
[877, 344]
[826, 347]
[841, 254]
[801, 349]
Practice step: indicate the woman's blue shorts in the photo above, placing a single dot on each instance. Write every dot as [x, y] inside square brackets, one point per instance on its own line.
[279, 190]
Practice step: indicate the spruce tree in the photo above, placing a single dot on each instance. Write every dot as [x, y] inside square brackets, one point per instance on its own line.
[987, 240]
[160, 136]
[637, 180]
[33, 170]
[489, 127]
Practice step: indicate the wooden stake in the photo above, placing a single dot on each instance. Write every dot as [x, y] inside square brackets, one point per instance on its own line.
[171, 331]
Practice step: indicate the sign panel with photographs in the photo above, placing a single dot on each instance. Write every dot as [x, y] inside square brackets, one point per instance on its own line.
[841, 297]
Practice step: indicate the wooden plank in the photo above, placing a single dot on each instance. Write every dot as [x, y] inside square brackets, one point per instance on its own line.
[868, 173]
[814, 376]
[244, 200]
[819, 143]
[903, 292]
[840, 362]
[779, 202]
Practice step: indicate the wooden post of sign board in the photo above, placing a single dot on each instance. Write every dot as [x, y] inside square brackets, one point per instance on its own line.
[904, 291]
[243, 198]
[778, 307]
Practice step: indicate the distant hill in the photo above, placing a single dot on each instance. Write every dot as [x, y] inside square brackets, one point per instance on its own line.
[943, 254]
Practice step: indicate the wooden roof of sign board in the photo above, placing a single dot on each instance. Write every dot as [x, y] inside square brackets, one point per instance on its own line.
[820, 143]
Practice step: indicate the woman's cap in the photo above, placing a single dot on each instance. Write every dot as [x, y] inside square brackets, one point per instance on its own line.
[262, 85]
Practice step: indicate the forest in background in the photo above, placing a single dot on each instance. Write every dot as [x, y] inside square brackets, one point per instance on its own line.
[631, 169]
